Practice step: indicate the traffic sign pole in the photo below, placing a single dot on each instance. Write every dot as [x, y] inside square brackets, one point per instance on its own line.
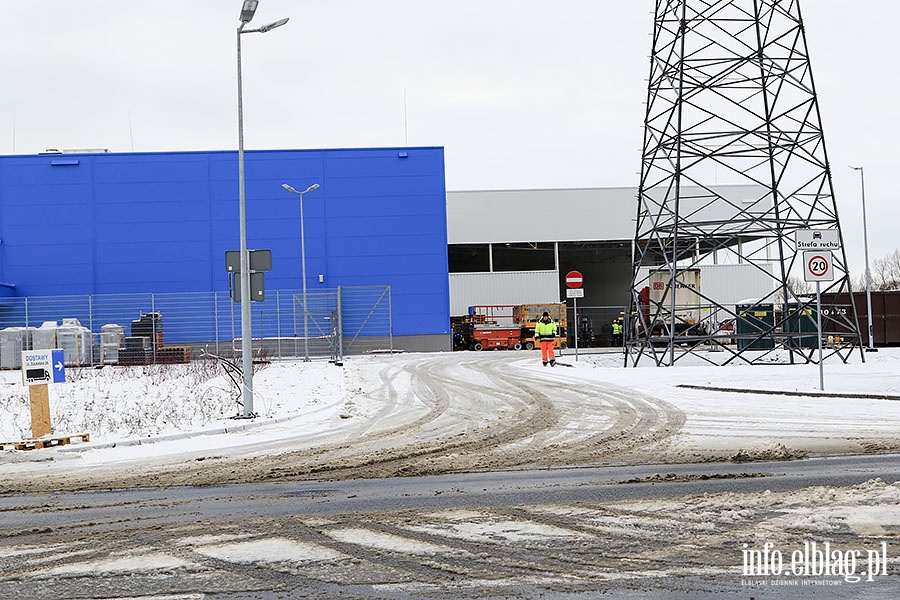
[575, 309]
[819, 324]
[574, 279]
[817, 267]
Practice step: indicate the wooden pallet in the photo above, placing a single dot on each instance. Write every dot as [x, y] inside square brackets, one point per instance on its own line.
[46, 442]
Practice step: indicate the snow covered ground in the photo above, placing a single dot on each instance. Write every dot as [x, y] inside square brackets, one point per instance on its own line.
[858, 410]
[130, 406]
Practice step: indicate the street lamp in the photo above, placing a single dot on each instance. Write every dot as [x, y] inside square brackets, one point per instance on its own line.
[247, 11]
[314, 186]
[862, 182]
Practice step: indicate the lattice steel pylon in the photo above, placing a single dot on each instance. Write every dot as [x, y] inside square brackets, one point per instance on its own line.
[733, 165]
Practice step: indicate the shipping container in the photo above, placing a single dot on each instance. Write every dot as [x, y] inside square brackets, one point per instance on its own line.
[885, 315]
[687, 289]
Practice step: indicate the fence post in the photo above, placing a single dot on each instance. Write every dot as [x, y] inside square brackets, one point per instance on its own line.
[233, 336]
[390, 322]
[91, 326]
[153, 325]
[216, 318]
[340, 324]
[278, 322]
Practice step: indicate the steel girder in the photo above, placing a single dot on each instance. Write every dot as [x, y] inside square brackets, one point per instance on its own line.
[731, 101]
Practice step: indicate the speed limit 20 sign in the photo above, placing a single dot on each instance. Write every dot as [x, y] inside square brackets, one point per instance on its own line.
[817, 266]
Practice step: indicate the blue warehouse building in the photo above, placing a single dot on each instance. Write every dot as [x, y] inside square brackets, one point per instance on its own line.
[81, 233]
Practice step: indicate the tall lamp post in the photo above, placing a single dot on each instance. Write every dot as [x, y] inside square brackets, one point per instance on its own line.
[247, 11]
[862, 183]
[314, 186]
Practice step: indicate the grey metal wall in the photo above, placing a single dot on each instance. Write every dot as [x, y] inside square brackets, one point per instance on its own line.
[557, 215]
[509, 287]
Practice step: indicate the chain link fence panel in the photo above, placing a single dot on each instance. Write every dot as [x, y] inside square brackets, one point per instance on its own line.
[594, 326]
[173, 327]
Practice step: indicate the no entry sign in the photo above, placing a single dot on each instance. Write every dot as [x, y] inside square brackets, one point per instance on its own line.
[573, 282]
[574, 279]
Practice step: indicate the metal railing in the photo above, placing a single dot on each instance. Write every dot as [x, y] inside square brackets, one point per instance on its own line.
[341, 321]
[594, 326]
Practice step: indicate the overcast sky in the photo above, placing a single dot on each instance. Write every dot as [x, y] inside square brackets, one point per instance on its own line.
[520, 93]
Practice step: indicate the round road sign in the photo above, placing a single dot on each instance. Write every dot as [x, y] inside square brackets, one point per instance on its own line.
[818, 266]
[574, 279]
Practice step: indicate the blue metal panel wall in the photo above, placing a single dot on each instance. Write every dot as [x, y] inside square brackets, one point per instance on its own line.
[161, 222]
[46, 225]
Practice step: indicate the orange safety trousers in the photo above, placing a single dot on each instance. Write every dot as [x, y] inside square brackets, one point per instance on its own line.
[547, 351]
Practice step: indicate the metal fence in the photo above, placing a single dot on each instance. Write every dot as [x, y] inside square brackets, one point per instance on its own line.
[594, 325]
[93, 328]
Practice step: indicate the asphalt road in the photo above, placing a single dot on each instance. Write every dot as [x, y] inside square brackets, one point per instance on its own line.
[671, 531]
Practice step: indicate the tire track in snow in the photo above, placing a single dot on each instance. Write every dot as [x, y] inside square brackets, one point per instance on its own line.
[488, 414]
[442, 413]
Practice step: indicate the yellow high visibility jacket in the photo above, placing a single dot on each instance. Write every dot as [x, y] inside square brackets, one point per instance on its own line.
[545, 331]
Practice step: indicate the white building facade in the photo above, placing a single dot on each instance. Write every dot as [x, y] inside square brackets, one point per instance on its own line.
[516, 246]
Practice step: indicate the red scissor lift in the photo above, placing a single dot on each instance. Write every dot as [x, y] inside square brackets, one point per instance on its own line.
[494, 326]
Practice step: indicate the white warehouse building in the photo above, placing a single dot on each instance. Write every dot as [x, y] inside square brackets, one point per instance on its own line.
[510, 247]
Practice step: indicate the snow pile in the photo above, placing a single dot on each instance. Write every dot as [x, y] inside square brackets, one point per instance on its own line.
[116, 403]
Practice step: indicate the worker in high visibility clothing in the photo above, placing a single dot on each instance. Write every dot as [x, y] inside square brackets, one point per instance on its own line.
[617, 332]
[545, 333]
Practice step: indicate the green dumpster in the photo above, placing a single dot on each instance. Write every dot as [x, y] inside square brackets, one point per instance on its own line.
[755, 320]
[801, 326]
